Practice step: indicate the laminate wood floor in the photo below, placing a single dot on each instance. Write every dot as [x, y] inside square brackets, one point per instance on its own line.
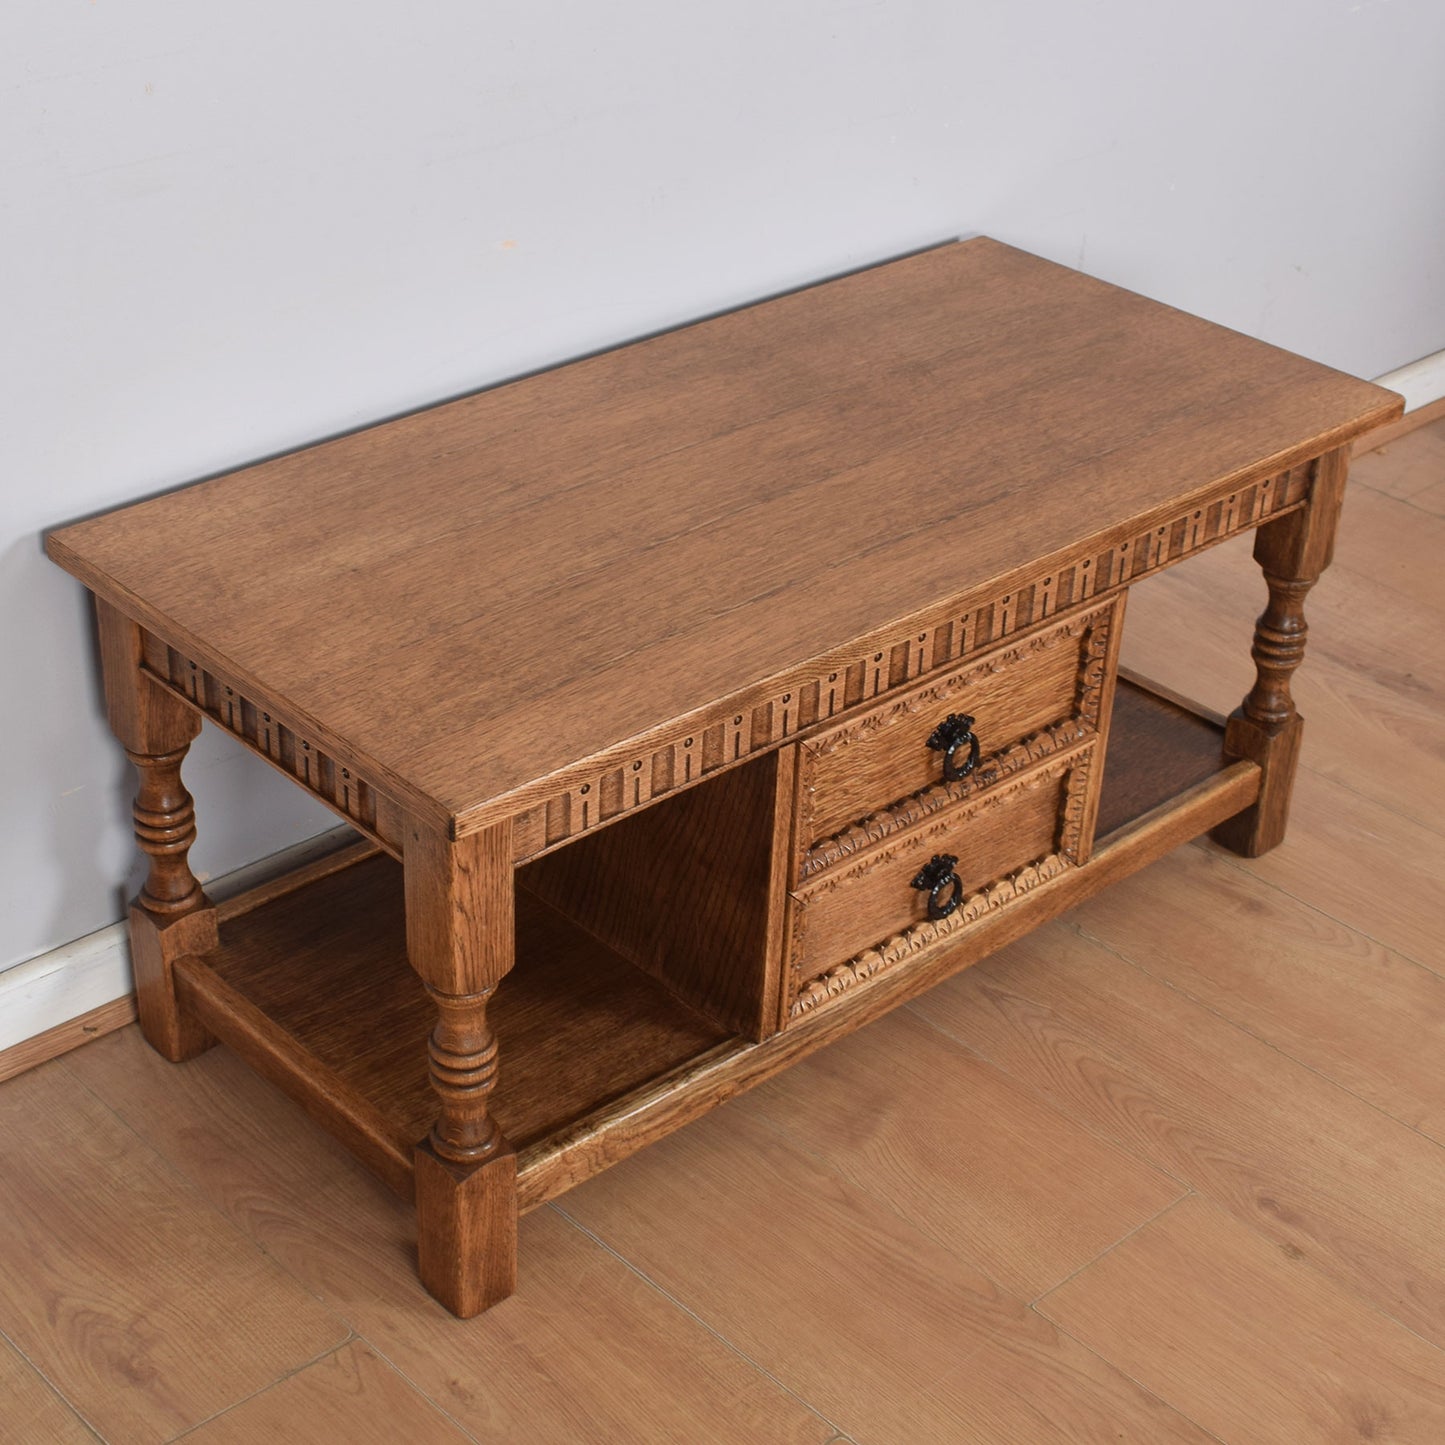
[1171, 1169]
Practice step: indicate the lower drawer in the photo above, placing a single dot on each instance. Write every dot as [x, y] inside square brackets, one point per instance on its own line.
[926, 874]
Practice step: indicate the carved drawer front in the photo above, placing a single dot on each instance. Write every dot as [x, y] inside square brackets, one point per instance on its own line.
[951, 737]
[934, 878]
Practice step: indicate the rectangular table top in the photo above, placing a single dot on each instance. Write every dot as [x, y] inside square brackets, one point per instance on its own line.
[465, 600]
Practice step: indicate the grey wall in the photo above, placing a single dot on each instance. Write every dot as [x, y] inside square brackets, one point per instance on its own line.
[231, 230]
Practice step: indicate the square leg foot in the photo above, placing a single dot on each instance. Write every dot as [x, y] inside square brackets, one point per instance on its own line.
[155, 944]
[467, 1229]
[1261, 826]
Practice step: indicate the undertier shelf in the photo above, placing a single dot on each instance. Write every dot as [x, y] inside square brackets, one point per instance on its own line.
[598, 1058]
[316, 983]
[1158, 751]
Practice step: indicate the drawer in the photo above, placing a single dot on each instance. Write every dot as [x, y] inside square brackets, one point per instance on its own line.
[886, 769]
[1001, 840]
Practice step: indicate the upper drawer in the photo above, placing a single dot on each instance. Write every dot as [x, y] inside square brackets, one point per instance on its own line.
[1051, 679]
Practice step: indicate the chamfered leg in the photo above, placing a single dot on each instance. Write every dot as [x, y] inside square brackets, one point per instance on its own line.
[460, 941]
[1292, 552]
[171, 917]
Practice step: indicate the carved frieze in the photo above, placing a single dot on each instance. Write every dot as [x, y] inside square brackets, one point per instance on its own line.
[587, 796]
[280, 742]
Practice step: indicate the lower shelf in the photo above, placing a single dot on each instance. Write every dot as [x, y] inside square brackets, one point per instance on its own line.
[312, 987]
[1158, 749]
[317, 980]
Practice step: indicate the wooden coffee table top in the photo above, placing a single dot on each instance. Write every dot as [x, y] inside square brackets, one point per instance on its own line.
[466, 600]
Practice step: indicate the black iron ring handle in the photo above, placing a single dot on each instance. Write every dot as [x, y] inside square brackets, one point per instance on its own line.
[941, 883]
[948, 737]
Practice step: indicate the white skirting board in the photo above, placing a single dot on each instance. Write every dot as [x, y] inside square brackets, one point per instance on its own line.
[1420, 383]
[79, 976]
[63, 984]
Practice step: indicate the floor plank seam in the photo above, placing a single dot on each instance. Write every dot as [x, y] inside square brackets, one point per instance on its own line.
[1308, 1264]
[1124, 1374]
[1355, 792]
[1358, 482]
[1403, 501]
[1374, 579]
[1075, 1121]
[1127, 1235]
[412, 1384]
[692, 1314]
[1224, 1018]
[1331, 654]
[279, 1380]
[1314, 1269]
[205, 1198]
[788, 1137]
[1241, 865]
[50, 1385]
[793, 1141]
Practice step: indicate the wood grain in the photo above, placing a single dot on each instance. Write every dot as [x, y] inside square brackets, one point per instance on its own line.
[962, 1153]
[577, 1025]
[940, 1352]
[998, 609]
[143, 717]
[281, 1055]
[1321, 992]
[685, 891]
[466, 1227]
[871, 897]
[1370, 702]
[87, 1222]
[1157, 749]
[32, 1412]
[1362, 863]
[883, 756]
[864, 989]
[159, 950]
[775, 506]
[630, 1365]
[1266, 728]
[1290, 1154]
[592, 1041]
[351, 1395]
[1195, 1298]
[42, 1047]
[1407, 466]
[1260, 1342]
[460, 909]
[461, 932]
[1396, 546]
[1421, 416]
[483, 660]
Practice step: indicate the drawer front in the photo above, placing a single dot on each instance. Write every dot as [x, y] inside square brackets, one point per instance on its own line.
[880, 773]
[1032, 824]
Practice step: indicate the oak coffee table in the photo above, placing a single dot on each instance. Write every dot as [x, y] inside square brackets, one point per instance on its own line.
[698, 702]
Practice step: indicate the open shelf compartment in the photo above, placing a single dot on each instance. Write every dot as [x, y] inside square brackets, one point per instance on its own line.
[312, 986]
[1162, 749]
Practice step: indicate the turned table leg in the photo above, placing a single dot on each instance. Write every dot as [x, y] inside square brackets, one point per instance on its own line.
[460, 941]
[1266, 728]
[171, 917]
